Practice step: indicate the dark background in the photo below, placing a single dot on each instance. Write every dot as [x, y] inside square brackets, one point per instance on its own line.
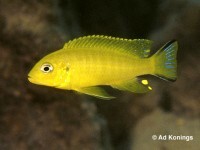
[36, 117]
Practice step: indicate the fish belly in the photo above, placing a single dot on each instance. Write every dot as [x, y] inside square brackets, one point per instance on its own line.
[106, 69]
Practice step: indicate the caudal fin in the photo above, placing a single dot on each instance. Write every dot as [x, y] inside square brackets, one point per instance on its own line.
[165, 61]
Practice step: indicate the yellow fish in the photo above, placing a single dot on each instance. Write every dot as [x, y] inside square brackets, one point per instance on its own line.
[86, 63]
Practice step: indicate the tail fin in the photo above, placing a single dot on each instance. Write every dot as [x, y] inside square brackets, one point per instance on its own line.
[165, 61]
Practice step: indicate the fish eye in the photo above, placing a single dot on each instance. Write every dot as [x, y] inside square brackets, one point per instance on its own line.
[46, 68]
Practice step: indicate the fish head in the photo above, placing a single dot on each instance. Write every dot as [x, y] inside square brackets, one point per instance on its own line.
[48, 72]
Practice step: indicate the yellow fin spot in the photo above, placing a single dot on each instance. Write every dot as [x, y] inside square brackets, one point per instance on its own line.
[145, 82]
[150, 88]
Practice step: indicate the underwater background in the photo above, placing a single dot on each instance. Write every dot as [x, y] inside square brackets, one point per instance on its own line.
[37, 117]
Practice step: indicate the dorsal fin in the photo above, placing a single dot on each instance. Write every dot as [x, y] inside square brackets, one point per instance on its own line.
[139, 47]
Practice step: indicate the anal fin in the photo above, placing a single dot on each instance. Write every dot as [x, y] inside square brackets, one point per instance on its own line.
[96, 92]
[136, 85]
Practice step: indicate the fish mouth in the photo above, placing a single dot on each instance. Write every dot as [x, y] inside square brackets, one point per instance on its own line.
[30, 79]
[33, 80]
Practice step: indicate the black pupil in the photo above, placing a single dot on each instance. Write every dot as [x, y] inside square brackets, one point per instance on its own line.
[46, 68]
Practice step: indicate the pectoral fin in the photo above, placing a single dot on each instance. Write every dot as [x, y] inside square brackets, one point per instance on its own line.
[95, 91]
[135, 85]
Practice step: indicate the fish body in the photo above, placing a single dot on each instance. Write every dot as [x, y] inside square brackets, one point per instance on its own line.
[88, 62]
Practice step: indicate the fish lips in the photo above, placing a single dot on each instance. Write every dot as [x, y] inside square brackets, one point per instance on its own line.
[35, 81]
[30, 79]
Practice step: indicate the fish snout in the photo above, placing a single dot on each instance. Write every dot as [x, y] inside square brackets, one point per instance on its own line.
[30, 79]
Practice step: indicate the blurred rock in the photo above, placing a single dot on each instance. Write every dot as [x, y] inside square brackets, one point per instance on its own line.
[180, 102]
[163, 123]
[180, 20]
[36, 117]
[123, 113]
[61, 124]
[121, 18]
[31, 117]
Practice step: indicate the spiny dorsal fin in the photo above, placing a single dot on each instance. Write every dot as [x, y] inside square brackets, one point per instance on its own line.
[139, 47]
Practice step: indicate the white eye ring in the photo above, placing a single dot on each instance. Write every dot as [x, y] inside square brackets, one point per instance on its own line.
[46, 68]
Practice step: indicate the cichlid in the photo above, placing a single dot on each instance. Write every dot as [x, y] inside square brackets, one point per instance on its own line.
[86, 63]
